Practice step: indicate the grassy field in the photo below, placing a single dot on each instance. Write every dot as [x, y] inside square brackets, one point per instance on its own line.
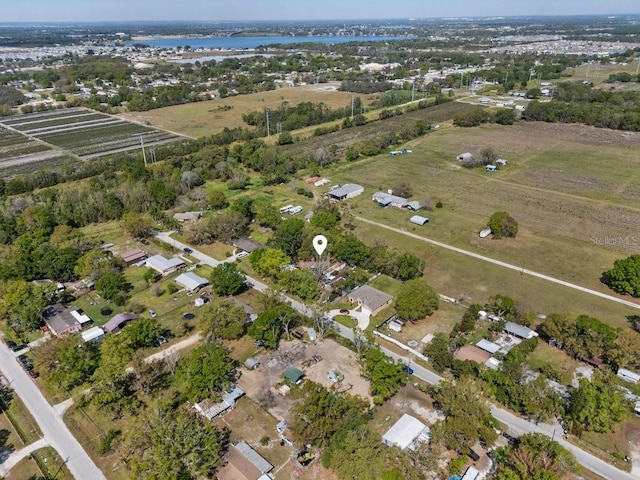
[556, 185]
[206, 118]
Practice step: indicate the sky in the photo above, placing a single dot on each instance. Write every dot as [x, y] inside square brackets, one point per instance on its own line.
[247, 10]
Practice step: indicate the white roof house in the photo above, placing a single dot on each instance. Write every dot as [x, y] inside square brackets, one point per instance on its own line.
[419, 220]
[519, 330]
[191, 282]
[488, 346]
[164, 266]
[405, 432]
[92, 334]
[628, 375]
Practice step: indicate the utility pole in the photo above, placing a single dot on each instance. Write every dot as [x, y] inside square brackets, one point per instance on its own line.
[268, 132]
[144, 155]
[352, 105]
[413, 90]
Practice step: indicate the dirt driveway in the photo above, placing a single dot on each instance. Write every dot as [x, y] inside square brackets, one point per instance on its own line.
[258, 384]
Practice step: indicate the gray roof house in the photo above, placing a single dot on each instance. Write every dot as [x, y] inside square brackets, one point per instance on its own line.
[60, 320]
[370, 299]
[164, 266]
[119, 321]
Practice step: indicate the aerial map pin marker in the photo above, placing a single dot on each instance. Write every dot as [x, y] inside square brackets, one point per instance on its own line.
[319, 243]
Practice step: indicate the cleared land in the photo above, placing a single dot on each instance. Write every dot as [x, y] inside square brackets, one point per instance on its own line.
[571, 188]
[206, 118]
[48, 139]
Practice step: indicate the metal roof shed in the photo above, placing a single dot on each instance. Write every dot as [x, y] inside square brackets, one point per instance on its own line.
[519, 330]
[628, 375]
[294, 375]
[419, 220]
[190, 281]
[92, 334]
[488, 346]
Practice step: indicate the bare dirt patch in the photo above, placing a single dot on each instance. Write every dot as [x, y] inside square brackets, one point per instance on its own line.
[258, 384]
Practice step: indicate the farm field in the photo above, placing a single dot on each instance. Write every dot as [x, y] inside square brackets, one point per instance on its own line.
[48, 139]
[206, 118]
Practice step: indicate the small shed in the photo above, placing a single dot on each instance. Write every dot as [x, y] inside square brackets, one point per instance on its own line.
[465, 156]
[419, 220]
[198, 302]
[294, 375]
[485, 232]
[251, 363]
[501, 161]
[92, 334]
[628, 375]
[312, 334]
[491, 168]
[395, 326]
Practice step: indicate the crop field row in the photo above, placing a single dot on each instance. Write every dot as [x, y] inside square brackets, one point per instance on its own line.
[80, 131]
[21, 149]
[27, 127]
[48, 159]
[38, 116]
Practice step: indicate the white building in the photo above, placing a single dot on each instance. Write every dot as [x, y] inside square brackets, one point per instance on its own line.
[628, 375]
[164, 266]
[406, 433]
[191, 282]
[92, 334]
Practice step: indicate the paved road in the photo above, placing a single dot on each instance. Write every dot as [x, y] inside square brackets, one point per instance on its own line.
[517, 425]
[55, 431]
[522, 270]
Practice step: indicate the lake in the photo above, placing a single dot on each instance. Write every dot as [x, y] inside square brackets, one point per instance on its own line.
[241, 43]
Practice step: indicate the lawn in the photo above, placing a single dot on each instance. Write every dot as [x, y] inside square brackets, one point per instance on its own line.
[206, 118]
[44, 463]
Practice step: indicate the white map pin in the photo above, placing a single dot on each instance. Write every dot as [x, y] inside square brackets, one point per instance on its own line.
[319, 243]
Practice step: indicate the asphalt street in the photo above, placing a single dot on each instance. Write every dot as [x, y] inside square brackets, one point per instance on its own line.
[56, 434]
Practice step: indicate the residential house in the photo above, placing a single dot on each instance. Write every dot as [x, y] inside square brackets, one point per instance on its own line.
[244, 463]
[211, 410]
[187, 216]
[133, 256]
[60, 321]
[164, 266]
[406, 433]
[370, 299]
[387, 199]
[248, 245]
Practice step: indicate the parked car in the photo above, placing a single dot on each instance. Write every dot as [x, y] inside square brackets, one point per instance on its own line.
[33, 374]
[144, 241]
[11, 344]
[297, 335]
[344, 311]
[187, 250]
[152, 314]
[160, 340]
[407, 369]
